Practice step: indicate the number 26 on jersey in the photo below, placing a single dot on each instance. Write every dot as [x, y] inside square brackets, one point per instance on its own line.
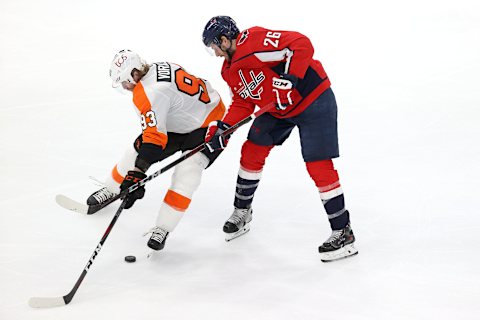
[272, 38]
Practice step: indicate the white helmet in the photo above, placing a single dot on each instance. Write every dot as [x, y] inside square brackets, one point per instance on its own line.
[122, 66]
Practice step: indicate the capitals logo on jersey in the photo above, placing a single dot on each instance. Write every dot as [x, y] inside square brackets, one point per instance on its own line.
[250, 87]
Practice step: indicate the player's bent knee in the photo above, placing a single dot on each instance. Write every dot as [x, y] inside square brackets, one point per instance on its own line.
[188, 174]
[322, 172]
[121, 168]
[254, 155]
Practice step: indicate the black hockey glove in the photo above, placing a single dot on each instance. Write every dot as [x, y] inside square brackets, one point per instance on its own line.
[283, 89]
[131, 178]
[214, 139]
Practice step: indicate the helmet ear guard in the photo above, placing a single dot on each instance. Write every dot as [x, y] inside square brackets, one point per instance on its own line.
[219, 26]
[122, 66]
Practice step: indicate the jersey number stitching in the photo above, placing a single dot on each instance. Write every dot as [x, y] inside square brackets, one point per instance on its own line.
[272, 35]
[152, 121]
[191, 85]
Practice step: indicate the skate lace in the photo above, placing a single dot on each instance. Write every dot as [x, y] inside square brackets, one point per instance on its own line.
[103, 195]
[336, 234]
[158, 234]
[238, 215]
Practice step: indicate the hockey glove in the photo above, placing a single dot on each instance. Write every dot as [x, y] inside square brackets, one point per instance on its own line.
[214, 139]
[283, 90]
[131, 178]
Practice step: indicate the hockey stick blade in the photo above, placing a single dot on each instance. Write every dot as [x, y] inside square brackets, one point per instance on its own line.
[70, 204]
[50, 302]
[73, 205]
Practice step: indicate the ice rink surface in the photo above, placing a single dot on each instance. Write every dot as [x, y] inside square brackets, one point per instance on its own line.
[406, 78]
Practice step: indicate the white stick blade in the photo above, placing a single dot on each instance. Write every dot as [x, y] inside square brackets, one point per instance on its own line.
[39, 302]
[69, 204]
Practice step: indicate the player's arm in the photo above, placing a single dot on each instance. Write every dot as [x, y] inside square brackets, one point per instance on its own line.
[154, 132]
[292, 48]
[294, 51]
[238, 110]
[300, 53]
[154, 140]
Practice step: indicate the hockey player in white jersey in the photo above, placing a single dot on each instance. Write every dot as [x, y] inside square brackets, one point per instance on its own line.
[175, 109]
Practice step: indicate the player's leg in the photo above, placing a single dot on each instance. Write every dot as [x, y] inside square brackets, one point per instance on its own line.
[251, 165]
[116, 176]
[185, 181]
[341, 242]
[265, 133]
[319, 140]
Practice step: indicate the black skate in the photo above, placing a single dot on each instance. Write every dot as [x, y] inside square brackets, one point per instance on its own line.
[100, 196]
[339, 245]
[158, 238]
[238, 223]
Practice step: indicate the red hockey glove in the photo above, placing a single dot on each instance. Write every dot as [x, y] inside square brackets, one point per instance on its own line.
[283, 89]
[131, 178]
[214, 139]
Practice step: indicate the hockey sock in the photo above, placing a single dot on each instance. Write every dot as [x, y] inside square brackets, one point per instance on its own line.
[247, 183]
[172, 210]
[250, 172]
[185, 181]
[326, 179]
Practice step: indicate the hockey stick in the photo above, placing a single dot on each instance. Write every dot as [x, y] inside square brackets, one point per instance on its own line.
[48, 302]
[73, 205]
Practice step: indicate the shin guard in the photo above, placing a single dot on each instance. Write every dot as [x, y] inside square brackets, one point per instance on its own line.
[326, 179]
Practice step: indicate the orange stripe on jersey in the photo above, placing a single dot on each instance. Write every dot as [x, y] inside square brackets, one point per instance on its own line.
[116, 175]
[150, 134]
[176, 200]
[216, 114]
[155, 137]
[140, 99]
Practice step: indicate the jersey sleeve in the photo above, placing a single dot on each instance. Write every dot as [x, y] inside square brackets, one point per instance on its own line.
[300, 52]
[238, 110]
[153, 110]
[293, 49]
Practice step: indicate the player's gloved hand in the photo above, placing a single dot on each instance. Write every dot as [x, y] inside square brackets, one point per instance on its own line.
[283, 90]
[131, 178]
[214, 139]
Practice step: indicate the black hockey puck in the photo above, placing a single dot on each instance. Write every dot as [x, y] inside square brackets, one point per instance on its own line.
[130, 259]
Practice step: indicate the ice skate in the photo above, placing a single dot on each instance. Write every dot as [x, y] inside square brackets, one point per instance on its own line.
[100, 196]
[338, 246]
[157, 239]
[237, 224]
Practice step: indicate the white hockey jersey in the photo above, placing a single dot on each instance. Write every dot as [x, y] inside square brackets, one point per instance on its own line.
[169, 99]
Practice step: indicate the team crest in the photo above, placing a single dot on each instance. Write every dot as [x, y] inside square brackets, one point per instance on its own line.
[251, 88]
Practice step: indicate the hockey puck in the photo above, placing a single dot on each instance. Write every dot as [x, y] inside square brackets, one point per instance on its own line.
[130, 259]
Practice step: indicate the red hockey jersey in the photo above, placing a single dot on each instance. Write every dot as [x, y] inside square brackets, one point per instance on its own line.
[263, 54]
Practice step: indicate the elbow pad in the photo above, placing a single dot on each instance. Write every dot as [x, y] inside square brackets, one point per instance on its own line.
[148, 154]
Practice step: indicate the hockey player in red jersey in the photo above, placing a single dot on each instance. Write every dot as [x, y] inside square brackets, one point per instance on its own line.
[174, 108]
[262, 67]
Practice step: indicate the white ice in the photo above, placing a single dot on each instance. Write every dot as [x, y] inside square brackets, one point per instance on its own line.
[406, 76]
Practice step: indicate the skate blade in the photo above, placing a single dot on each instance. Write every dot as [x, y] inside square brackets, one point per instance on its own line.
[241, 232]
[342, 253]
